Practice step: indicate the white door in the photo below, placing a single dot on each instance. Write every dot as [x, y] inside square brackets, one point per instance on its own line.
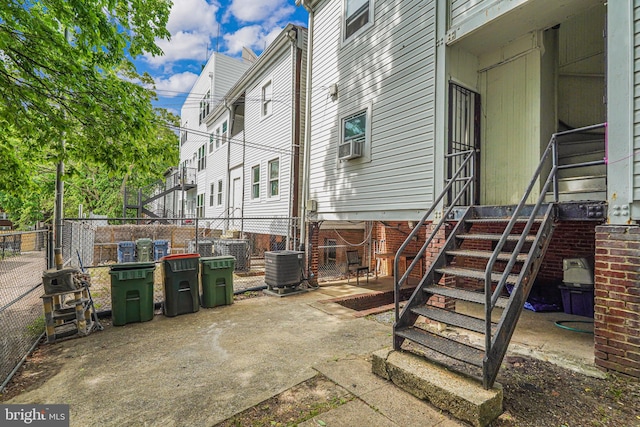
[235, 199]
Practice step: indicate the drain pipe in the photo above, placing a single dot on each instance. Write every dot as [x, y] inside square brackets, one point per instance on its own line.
[304, 238]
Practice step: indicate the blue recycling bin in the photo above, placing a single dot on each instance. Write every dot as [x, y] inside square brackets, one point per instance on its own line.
[160, 249]
[126, 252]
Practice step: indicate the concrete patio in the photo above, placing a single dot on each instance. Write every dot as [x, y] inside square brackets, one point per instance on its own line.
[202, 368]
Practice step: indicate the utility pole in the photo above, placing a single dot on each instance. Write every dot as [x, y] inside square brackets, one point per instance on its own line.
[57, 217]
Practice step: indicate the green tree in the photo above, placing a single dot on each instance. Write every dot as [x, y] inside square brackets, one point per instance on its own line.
[66, 75]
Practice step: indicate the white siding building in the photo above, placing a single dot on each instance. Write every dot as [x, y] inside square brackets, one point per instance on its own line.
[218, 76]
[251, 137]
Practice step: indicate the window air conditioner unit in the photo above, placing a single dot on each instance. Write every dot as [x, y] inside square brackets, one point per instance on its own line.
[351, 149]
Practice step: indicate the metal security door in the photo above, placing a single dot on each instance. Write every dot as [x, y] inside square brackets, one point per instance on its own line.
[463, 137]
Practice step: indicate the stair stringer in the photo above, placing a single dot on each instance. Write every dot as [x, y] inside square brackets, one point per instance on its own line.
[509, 319]
[419, 296]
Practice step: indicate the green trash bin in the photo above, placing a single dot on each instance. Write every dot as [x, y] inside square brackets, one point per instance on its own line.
[144, 250]
[217, 280]
[180, 278]
[131, 292]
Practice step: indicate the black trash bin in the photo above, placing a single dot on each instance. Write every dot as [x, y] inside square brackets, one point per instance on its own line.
[180, 279]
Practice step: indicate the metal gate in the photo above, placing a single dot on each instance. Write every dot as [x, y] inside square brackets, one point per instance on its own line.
[463, 137]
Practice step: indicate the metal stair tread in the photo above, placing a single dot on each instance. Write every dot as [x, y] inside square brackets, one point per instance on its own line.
[495, 236]
[463, 294]
[490, 220]
[442, 345]
[452, 318]
[512, 279]
[504, 256]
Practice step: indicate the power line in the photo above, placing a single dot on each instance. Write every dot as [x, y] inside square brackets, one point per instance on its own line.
[206, 138]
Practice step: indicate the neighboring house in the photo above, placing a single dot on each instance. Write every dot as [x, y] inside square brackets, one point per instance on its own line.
[247, 148]
[219, 74]
[405, 93]
[5, 223]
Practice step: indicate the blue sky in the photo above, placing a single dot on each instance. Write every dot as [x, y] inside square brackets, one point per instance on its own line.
[200, 27]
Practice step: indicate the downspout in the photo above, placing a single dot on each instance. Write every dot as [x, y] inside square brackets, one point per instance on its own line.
[304, 238]
[228, 142]
[294, 169]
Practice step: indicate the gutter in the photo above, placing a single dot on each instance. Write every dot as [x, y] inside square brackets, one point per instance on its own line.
[307, 132]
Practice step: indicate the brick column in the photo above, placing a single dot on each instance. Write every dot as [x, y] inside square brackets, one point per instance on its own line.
[313, 232]
[617, 299]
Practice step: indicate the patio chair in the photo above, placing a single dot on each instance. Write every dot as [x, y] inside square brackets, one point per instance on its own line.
[354, 264]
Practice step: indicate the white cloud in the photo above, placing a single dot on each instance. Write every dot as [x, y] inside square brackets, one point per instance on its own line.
[192, 24]
[267, 11]
[254, 37]
[175, 85]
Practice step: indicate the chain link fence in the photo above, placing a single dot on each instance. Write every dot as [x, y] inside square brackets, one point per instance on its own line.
[23, 258]
[335, 240]
[95, 244]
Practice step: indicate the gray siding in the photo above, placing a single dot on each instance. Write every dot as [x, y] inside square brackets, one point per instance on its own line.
[461, 10]
[389, 68]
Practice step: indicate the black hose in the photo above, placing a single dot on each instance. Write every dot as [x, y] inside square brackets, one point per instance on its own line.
[254, 289]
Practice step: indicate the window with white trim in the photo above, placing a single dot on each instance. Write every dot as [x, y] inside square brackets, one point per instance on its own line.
[219, 194]
[255, 182]
[205, 105]
[183, 133]
[224, 132]
[357, 15]
[274, 177]
[218, 137]
[200, 205]
[202, 157]
[212, 192]
[267, 99]
[353, 136]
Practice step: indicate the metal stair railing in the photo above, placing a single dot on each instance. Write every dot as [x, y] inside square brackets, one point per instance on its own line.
[456, 178]
[492, 297]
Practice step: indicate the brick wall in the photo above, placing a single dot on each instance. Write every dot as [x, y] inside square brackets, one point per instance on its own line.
[617, 299]
[390, 235]
[571, 239]
[313, 231]
[352, 237]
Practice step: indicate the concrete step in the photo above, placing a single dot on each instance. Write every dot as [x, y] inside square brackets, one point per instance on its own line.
[460, 396]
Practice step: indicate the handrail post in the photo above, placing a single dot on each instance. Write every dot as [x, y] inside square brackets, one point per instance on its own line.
[554, 166]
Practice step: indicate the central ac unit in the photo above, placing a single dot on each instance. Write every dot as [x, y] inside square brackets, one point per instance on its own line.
[351, 149]
[283, 268]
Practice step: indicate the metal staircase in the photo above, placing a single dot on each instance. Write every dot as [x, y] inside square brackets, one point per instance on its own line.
[150, 201]
[491, 256]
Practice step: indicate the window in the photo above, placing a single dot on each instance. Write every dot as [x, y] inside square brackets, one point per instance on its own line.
[205, 105]
[267, 96]
[218, 137]
[200, 206]
[202, 157]
[224, 132]
[211, 138]
[183, 134]
[219, 192]
[255, 182]
[212, 192]
[357, 15]
[330, 252]
[353, 136]
[274, 177]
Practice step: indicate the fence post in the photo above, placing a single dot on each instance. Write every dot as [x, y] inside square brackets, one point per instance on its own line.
[196, 240]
